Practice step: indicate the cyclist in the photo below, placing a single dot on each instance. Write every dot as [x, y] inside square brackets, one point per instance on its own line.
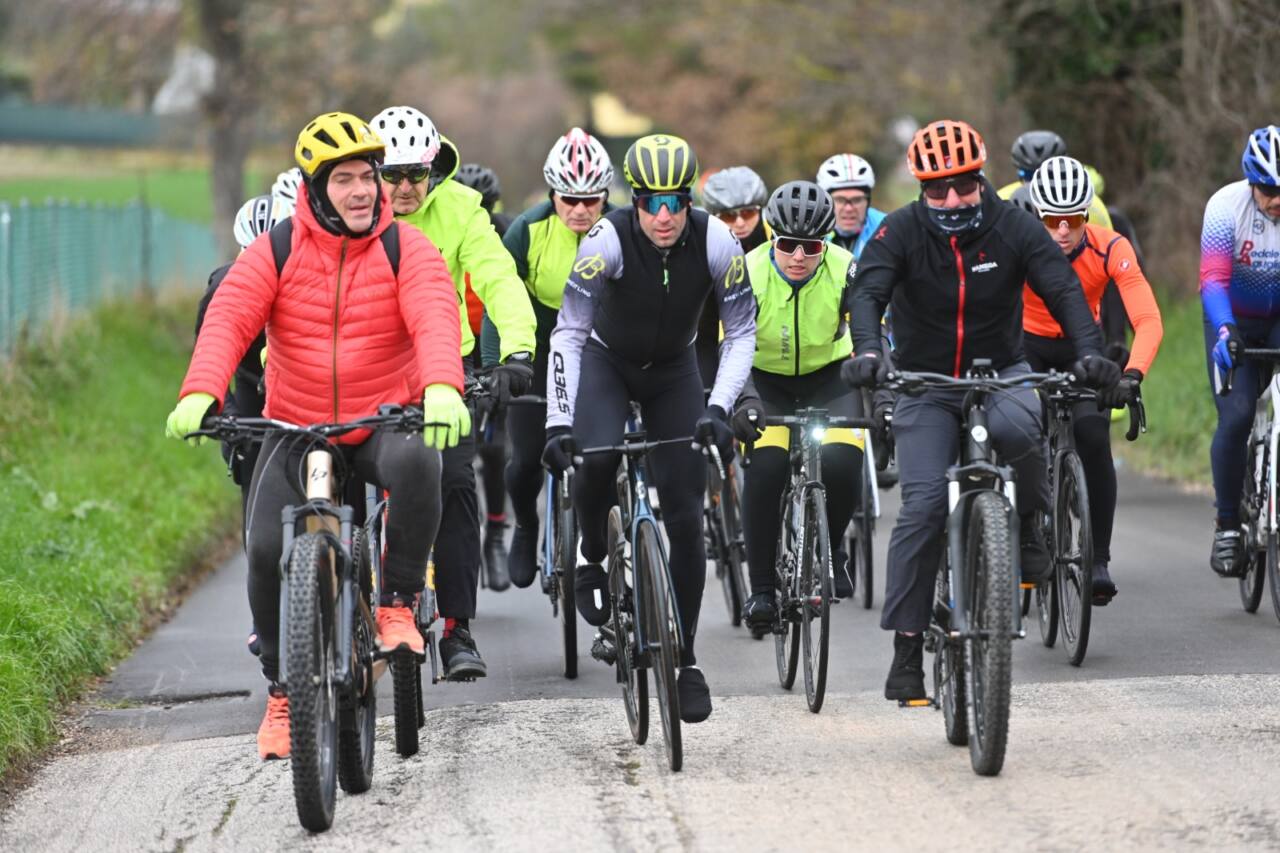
[450, 215]
[850, 179]
[1031, 149]
[625, 332]
[395, 340]
[1061, 191]
[544, 241]
[734, 196]
[285, 187]
[951, 267]
[1239, 288]
[802, 339]
[492, 448]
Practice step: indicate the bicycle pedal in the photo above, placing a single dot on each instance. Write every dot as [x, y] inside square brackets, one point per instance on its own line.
[604, 651]
[1025, 585]
[917, 703]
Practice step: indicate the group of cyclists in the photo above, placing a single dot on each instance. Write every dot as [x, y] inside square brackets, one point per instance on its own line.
[378, 272]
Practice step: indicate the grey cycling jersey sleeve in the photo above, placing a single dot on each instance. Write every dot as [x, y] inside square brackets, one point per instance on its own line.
[599, 259]
[737, 305]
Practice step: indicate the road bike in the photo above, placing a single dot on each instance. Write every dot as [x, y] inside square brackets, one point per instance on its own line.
[859, 535]
[722, 529]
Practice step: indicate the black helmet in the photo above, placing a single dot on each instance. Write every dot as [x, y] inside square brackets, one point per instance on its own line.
[1022, 198]
[800, 209]
[1034, 147]
[483, 180]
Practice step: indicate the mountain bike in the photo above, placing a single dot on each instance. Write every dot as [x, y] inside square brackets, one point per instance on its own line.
[804, 584]
[976, 614]
[644, 631]
[1258, 502]
[330, 581]
[722, 528]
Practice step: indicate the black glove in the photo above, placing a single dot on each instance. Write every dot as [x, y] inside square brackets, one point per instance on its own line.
[865, 370]
[561, 452]
[1123, 392]
[1119, 353]
[1097, 372]
[713, 428]
[513, 377]
[748, 420]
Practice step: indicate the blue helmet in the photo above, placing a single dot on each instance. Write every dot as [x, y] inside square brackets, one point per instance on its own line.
[1261, 160]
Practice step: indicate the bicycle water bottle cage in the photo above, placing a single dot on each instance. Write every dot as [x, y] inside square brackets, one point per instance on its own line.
[981, 368]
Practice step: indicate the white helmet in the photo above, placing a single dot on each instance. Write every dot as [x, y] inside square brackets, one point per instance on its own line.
[257, 216]
[1061, 186]
[285, 189]
[846, 171]
[410, 137]
[578, 165]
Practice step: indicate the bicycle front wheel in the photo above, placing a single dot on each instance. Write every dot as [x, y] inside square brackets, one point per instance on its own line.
[566, 555]
[1073, 557]
[786, 636]
[313, 720]
[865, 522]
[815, 598]
[663, 634]
[989, 652]
[634, 681]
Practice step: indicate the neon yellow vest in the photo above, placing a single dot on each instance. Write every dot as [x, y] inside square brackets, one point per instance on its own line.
[798, 332]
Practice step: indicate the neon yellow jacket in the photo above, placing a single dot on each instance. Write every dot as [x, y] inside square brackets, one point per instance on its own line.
[1097, 208]
[452, 218]
[799, 331]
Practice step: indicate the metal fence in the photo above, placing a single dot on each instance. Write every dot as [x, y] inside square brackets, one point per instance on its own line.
[60, 257]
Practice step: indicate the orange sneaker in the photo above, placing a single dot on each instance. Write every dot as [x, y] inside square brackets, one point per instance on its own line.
[273, 734]
[397, 629]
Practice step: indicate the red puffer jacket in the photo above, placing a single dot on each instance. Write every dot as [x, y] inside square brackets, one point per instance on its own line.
[343, 335]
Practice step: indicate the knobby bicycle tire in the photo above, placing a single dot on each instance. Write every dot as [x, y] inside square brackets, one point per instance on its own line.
[989, 656]
[634, 680]
[566, 554]
[786, 637]
[663, 635]
[1073, 557]
[405, 690]
[313, 724]
[815, 598]
[357, 722]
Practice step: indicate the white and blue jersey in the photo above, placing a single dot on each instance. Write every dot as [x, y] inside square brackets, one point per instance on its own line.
[1239, 258]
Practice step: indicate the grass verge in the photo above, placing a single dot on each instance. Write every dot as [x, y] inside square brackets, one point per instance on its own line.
[102, 513]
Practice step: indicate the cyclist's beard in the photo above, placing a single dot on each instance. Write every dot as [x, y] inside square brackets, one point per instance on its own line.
[953, 220]
[327, 215]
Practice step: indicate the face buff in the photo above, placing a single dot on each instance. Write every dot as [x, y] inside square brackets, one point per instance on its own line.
[953, 220]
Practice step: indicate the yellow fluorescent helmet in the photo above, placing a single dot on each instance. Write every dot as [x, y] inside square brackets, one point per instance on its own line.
[660, 163]
[333, 137]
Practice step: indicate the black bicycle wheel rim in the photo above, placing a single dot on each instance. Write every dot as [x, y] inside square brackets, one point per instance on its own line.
[313, 722]
[866, 536]
[786, 639]
[1073, 546]
[634, 681]
[663, 637]
[989, 653]
[566, 550]
[815, 599]
[1253, 581]
[735, 549]
[948, 668]
[357, 722]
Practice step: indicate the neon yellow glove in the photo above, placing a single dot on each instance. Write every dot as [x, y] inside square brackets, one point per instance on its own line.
[262, 357]
[445, 416]
[187, 415]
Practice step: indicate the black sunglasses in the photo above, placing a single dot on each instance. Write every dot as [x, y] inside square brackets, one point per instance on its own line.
[938, 188]
[395, 174]
[1267, 190]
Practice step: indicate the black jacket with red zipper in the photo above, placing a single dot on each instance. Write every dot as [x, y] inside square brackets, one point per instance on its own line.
[958, 297]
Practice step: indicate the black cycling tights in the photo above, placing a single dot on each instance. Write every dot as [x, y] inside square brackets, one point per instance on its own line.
[492, 451]
[671, 401]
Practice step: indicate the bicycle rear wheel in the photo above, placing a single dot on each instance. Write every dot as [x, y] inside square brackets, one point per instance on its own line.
[313, 721]
[566, 555]
[357, 721]
[865, 521]
[634, 681]
[663, 635]
[1046, 592]
[786, 637]
[1073, 557]
[989, 653]
[405, 689]
[816, 591]
[948, 665]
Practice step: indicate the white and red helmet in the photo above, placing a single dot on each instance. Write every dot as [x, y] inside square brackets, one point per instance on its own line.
[846, 171]
[578, 165]
[411, 138]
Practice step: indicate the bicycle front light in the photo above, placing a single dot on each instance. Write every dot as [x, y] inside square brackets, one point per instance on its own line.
[818, 433]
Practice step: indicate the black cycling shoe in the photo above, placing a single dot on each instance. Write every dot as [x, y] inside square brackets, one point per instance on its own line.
[843, 587]
[495, 555]
[695, 695]
[1036, 564]
[1227, 556]
[461, 658]
[906, 674]
[1104, 589]
[591, 589]
[760, 611]
[522, 562]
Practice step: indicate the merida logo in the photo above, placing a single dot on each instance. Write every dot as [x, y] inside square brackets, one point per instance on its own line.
[987, 267]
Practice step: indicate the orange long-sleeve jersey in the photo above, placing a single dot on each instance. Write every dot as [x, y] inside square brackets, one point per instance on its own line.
[1101, 256]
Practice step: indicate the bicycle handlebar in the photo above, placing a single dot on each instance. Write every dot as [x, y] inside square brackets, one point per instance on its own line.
[1223, 384]
[232, 428]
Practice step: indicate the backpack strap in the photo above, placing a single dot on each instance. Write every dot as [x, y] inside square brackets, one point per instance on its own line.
[282, 243]
[391, 243]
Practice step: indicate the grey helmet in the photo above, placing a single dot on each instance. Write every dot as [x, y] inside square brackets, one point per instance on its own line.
[483, 180]
[1022, 198]
[733, 188]
[801, 209]
[1034, 147]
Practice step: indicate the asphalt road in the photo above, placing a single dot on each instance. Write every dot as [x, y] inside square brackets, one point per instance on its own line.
[1167, 737]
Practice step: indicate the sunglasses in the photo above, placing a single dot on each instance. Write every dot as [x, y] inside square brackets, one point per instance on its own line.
[728, 217]
[788, 246]
[1053, 221]
[1267, 190]
[963, 185]
[673, 202]
[394, 175]
[587, 201]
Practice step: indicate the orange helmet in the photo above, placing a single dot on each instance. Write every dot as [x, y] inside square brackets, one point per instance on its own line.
[944, 148]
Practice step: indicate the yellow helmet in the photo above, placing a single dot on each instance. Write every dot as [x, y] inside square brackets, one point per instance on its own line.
[333, 137]
[660, 163]
[1098, 184]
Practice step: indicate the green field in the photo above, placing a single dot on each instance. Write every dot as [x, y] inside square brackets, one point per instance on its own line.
[102, 513]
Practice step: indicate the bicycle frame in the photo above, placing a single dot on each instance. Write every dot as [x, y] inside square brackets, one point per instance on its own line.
[556, 493]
